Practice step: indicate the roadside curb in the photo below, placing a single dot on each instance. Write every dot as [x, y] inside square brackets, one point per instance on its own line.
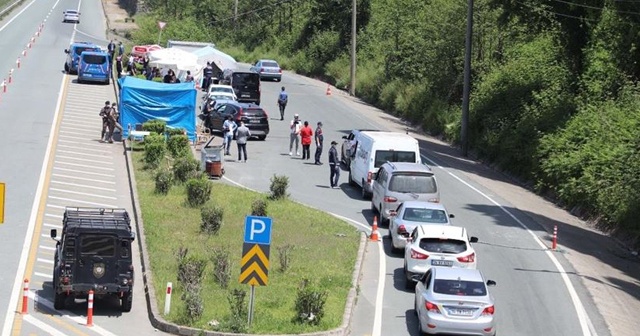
[157, 321]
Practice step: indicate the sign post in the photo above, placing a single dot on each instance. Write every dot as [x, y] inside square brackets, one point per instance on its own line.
[161, 26]
[1, 202]
[254, 266]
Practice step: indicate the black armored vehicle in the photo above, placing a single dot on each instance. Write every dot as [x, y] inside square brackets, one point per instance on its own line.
[93, 253]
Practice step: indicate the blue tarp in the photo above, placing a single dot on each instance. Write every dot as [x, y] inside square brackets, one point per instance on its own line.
[143, 100]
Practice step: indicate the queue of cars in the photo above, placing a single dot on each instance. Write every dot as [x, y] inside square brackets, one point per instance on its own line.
[89, 62]
[451, 295]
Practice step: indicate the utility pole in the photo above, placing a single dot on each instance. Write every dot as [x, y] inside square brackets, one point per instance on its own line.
[464, 127]
[235, 14]
[352, 86]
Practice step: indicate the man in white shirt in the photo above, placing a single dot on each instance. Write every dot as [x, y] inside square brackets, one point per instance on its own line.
[228, 128]
[295, 132]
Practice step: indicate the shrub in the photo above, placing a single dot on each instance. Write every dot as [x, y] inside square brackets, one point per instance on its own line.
[163, 178]
[175, 131]
[154, 138]
[190, 274]
[310, 304]
[221, 266]
[284, 256]
[154, 153]
[212, 217]
[198, 191]
[155, 126]
[238, 320]
[194, 306]
[185, 168]
[279, 186]
[259, 208]
[178, 145]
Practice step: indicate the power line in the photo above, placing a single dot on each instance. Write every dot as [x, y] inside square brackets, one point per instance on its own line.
[555, 13]
[598, 8]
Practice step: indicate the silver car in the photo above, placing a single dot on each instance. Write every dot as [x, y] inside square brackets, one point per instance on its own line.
[71, 15]
[409, 215]
[268, 69]
[455, 301]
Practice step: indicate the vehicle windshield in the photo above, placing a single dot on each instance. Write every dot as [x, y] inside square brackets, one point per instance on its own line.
[219, 97]
[413, 183]
[425, 215]
[94, 59]
[102, 246]
[459, 287]
[79, 50]
[250, 80]
[447, 246]
[270, 64]
[71, 12]
[383, 156]
[222, 89]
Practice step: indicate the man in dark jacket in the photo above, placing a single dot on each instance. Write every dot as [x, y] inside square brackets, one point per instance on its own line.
[334, 165]
[319, 140]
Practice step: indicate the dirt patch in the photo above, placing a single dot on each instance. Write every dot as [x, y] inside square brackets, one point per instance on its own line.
[119, 23]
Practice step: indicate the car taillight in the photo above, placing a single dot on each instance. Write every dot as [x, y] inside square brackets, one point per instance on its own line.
[417, 255]
[369, 177]
[240, 114]
[388, 199]
[280, 70]
[488, 311]
[266, 115]
[431, 307]
[434, 200]
[402, 229]
[468, 259]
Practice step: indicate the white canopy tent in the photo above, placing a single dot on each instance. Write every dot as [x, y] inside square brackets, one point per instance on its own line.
[179, 61]
[220, 59]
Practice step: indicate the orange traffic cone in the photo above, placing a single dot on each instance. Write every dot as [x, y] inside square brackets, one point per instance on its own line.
[375, 236]
[328, 90]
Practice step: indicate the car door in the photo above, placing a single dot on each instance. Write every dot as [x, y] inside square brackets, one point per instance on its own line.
[377, 191]
[393, 223]
[218, 116]
[255, 67]
[421, 288]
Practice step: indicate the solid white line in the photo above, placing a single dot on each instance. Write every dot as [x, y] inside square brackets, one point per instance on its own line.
[66, 191]
[83, 186]
[50, 248]
[42, 275]
[41, 325]
[585, 322]
[26, 246]
[83, 160]
[105, 152]
[82, 178]
[102, 146]
[19, 13]
[56, 206]
[54, 216]
[81, 165]
[76, 133]
[46, 261]
[73, 137]
[366, 227]
[83, 202]
[53, 226]
[84, 154]
[377, 315]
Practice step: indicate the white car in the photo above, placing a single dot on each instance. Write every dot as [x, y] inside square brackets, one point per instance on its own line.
[437, 245]
[219, 95]
[222, 89]
[411, 214]
[71, 15]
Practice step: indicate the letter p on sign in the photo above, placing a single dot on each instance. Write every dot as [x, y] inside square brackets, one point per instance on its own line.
[257, 230]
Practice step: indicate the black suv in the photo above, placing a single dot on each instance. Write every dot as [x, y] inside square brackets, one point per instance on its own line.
[254, 117]
[93, 253]
[245, 84]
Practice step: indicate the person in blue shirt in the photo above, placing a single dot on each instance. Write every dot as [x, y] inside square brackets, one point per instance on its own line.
[228, 128]
[283, 97]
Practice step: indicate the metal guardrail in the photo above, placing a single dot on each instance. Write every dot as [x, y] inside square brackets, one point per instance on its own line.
[7, 8]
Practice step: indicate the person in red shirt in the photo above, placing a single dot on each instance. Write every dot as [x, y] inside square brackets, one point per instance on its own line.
[305, 136]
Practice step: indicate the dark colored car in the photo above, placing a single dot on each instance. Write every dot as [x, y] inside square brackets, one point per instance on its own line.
[245, 84]
[254, 117]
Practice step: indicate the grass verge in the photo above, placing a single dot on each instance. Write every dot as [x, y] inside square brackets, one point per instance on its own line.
[325, 250]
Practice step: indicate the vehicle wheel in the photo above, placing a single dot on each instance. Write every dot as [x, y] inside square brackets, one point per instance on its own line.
[365, 194]
[262, 137]
[66, 67]
[258, 102]
[127, 302]
[60, 301]
[351, 181]
[408, 284]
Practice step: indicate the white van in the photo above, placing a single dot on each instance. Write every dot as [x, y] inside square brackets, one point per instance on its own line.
[372, 149]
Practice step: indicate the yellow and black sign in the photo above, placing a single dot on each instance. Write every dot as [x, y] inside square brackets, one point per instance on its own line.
[254, 267]
[1, 202]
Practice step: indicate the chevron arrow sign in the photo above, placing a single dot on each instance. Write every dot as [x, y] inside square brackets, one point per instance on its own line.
[254, 266]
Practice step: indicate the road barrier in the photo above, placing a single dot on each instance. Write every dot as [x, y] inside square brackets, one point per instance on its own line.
[10, 76]
[4, 85]
[554, 243]
[18, 62]
[25, 297]
[167, 300]
[328, 90]
[90, 309]
[375, 236]
[24, 52]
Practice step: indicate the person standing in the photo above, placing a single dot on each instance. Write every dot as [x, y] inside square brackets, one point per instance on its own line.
[112, 122]
[228, 128]
[119, 66]
[111, 47]
[319, 139]
[242, 135]
[120, 48]
[305, 136]
[189, 77]
[104, 114]
[293, 137]
[334, 165]
[283, 98]
[208, 73]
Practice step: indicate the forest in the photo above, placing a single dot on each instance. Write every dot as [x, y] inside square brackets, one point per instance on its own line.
[554, 83]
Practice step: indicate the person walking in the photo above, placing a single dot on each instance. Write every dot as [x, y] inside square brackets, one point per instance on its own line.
[120, 48]
[334, 165]
[283, 98]
[319, 139]
[242, 135]
[104, 114]
[305, 137]
[112, 122]
[228, 128]
[293, 137]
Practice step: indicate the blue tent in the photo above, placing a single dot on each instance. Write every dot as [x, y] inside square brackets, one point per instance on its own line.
[143, 100]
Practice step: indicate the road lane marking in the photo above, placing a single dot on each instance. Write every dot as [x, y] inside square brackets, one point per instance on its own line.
[83, 154]
[55, 226]
[84, 172]
[377, 316]
[84, 160]
[50, 248]
[66, 325]
[46, 261]
[88, 149]
[83, 178]
[83, 166]
[54, 216]
[83, 144]
[73, 137]
[17, 15]
[71, 200]
[43, 275]
[585, 322]
[82, 185]
[82, 193]
[42, 326]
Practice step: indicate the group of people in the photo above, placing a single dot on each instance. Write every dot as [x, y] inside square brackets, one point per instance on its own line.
[242, 132]
[109, 114]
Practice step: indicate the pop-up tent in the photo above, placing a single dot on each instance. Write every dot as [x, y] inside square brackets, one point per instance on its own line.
[175, 59]
[220, 59]
[143, 100]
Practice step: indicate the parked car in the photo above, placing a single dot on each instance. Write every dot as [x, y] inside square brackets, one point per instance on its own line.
[74, 52]
[410, 215]
[349, 143]
[220, 89]
[268, 69]
[437, 245]
[455, 301]
[93, 66]
[246, 85]
[254, 117]
[397, 182]
[71, 15]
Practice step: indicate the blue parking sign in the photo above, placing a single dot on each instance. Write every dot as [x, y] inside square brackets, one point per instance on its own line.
[257, 230]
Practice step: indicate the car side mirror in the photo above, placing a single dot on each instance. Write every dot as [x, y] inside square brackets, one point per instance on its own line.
[452, 216]
[393, 213]
[491, 283]
[345, 137]
[66, 51]
[473, 239]
[54, 234]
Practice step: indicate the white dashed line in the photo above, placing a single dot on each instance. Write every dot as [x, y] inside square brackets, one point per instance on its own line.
[46, 261]
[82, 165]
[82, 186]
[53, 226]
[67, 191]
[84, 160]
[70, 200]
[43, 275]
[83, 178]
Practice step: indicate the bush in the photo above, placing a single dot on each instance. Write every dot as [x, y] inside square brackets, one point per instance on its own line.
[155, 126]
[185, 168]
[179, 145]
[212, 219]
[221, 266]
[163, 178]
[279, 186]
[154, 153]
[154, 138]
[175, 131]
[194, 306]
[310, 304]
[284, 256]
[198, 191]
[259, 208]
[238, 320]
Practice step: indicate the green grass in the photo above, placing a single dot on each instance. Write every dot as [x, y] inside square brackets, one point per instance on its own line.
[325, 250]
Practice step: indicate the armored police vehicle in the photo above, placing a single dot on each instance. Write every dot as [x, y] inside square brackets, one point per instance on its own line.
[93, 253]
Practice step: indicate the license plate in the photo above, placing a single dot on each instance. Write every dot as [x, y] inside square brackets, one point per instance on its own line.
[245, 96]
[254, 121]
[461, 312]
[442, 263]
